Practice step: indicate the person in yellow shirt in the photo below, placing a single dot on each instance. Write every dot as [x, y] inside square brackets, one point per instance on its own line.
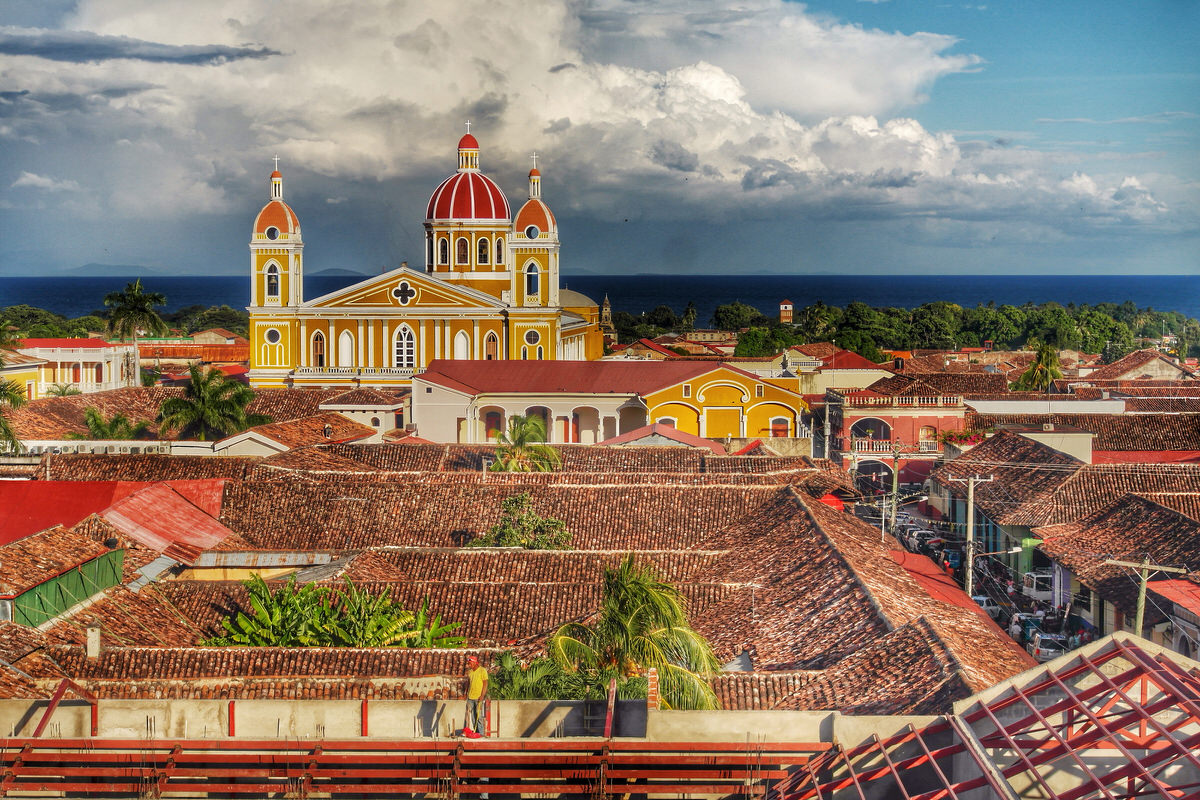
[477, 687]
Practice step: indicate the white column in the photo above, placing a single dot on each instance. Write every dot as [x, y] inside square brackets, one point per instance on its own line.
[387, 347]
[331, 348]
[303, 343]
[422, 359]
[475, 339]
[447, 347]
[371, 344]
[361, 345]
[437, 338]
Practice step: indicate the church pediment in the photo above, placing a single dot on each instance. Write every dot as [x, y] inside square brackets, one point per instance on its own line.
[404, 289]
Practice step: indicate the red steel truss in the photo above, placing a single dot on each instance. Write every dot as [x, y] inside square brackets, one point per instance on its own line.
[1115, 722]
[387, 769]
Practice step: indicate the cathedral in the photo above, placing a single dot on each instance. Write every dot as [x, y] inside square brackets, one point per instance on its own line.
[489, 291]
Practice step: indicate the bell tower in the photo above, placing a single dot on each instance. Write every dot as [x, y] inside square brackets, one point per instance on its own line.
[276, 252]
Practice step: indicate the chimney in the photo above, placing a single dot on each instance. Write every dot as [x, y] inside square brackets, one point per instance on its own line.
[93, 641]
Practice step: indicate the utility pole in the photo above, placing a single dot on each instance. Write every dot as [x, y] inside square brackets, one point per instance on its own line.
[1145, 568]
[969, 583]
[898, 447]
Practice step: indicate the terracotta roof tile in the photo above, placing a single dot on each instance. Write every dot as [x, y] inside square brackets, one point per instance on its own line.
[37, 558]
[150, 467]
[1127, 529]
[1133, 366]
[1119, 432]
[320, 428]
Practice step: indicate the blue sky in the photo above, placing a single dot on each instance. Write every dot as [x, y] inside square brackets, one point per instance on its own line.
[678, 136]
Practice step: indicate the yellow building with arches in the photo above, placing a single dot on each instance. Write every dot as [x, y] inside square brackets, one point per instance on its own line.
[587, 403]
[489, 291]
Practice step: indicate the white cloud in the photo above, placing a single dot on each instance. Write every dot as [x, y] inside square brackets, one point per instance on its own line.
[682, 110]
[32, 181]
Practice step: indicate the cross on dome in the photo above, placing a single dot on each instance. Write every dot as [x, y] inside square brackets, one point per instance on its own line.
[468, 126]
[277, 162]
[534, 157]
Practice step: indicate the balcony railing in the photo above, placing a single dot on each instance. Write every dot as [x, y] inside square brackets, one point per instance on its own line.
[85, 387]
[951, 401]
[349, 372]
[885, 446]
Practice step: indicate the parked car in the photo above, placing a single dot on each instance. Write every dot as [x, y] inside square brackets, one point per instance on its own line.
[989, 605]
[1046, 646]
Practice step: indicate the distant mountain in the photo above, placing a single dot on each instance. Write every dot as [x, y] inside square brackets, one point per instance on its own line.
[115, 270]
[338, 271]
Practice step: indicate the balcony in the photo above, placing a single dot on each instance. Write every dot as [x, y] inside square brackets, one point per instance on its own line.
[85, 387]
[906, 450]
[356, 372]
[860, 401]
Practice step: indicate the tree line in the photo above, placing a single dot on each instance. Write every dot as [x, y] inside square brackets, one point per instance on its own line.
[1109, 329]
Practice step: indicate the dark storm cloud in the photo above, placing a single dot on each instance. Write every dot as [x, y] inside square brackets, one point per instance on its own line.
[673, 155]
[562, 66]
[83, 46]
[26, 103]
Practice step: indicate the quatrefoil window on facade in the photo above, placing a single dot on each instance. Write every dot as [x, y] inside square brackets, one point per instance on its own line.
[404, 293]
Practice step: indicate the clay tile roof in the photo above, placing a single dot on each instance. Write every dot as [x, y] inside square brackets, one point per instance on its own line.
[37, 558]
[821, 350]
[1133, 365]
[665, 432]
[87, 467]
[312, 430]
[1127, 529]
[359, 398]
[1093, 486]
[1024, 471]
[1117, 432]
[12, 358]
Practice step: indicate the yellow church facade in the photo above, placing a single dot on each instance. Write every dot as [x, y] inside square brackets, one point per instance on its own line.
[489, 291]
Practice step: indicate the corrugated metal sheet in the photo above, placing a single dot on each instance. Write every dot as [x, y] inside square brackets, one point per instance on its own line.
[162, 519]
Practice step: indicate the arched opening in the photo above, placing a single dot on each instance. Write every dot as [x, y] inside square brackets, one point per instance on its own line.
[873, 478]
[318, 350]
[462, 346]
[779, 427]
[405, 348]
[273, 281]
[544, 413]
[585, 423]
[532, 281]
[541, 353]
[666, 421]
[99, 373]
[429, 250]
[462, 251]
[871, 428]
[491, 347]
[631, 418]
[345, 349]
[499, 250]
[928, 437]
[493, 423]
[443, 251]
[483, 251]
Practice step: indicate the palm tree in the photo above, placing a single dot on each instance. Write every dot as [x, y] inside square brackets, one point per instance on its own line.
[1041, 373]
[641, 624]
[212, 405]
[11, 396]
[117, 427]
[62, 390]
[133, 310]
[523, 447]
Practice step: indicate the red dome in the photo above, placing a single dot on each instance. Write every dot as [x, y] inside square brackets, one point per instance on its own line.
[535, 212]
[468, 196]
[468, 141]
[277, 214]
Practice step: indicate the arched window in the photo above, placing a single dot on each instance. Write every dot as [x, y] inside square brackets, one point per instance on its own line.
[443, 251]
[491, 347]
[779, 428]
[540, 353]
[318, 349]
[493, 423]
[462, 346]
[483, 251]
[532, 284]
[499, 250]
[406, 348]
[100, 373]
[462, 251]
[524, 353]
[345, 349]
[273, 281]
[429, 251]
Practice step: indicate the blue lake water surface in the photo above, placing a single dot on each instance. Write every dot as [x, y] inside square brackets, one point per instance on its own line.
[76, 296]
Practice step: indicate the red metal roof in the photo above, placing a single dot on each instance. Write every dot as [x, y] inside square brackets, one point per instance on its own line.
[468, 196]
[847, 359]
[1181, 592]
[27, 507]
[548, 377]
[163, 519]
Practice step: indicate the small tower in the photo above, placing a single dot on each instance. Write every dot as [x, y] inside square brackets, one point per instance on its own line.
[276, 252]
[785, 312]
[606, 323]
[535, 249]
